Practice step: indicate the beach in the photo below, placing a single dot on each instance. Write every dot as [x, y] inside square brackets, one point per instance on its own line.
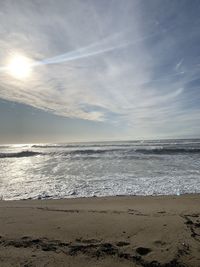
[106, 231]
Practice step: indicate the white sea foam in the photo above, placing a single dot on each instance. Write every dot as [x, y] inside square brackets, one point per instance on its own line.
[168, 167]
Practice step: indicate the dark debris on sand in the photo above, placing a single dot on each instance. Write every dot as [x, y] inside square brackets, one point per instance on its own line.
[90, 248]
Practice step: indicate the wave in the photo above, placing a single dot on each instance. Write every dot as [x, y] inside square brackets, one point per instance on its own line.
[160, 150]
[121, 145]
[124, 152]
[168, 150]
[83, 145]
[20, 154]
[93, 151]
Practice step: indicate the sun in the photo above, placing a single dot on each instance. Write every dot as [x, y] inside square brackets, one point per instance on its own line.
[19, 67]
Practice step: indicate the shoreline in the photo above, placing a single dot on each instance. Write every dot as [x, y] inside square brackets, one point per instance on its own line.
[109, 231]
[107, 196]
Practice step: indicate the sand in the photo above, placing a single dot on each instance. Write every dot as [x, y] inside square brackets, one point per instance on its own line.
[110, 231]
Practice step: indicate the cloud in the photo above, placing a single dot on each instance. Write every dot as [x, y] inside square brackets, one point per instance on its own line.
[111, 62]
[178, 65]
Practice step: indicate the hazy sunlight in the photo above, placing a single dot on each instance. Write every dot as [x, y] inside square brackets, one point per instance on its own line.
[19, 67]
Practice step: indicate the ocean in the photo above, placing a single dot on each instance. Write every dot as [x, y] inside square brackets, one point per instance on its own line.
[40, 171]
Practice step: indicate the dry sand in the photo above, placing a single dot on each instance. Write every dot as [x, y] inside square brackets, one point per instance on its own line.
[92, 232]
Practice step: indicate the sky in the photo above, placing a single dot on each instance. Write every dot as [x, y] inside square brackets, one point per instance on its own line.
[99, 70]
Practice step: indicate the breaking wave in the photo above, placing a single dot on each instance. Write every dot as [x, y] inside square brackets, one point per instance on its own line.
[117, 151]
[19, 154]
[168, 150]
[160, 150]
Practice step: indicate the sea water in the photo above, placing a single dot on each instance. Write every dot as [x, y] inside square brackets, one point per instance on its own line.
[161, 167]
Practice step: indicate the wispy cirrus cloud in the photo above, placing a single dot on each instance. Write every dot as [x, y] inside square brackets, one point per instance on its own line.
[128, 64]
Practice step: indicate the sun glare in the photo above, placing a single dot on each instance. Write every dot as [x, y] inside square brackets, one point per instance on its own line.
[19, 67]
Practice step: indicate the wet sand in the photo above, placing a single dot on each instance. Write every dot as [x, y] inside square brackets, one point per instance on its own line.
[110, 231]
